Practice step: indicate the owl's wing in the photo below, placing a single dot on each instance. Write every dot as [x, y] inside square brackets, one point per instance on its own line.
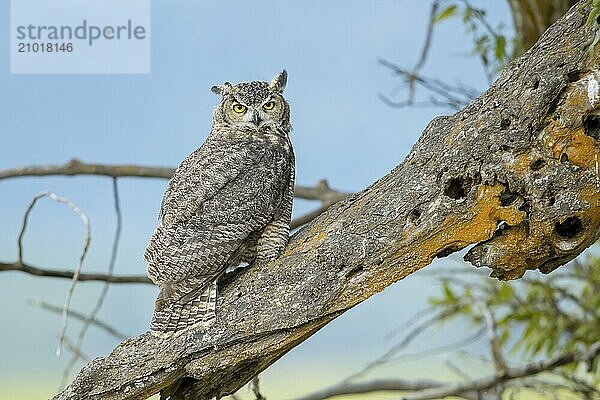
[211, 208]
[204, 172]
[198, 248]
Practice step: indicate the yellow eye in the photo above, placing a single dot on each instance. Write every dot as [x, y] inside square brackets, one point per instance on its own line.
[238, 108]
[269, 105]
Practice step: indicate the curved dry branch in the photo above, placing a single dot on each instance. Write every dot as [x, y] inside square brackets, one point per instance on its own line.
[534, 368]
[514, 173]
[428, 389]
[321, 191]
[379, 385]
[67, 274]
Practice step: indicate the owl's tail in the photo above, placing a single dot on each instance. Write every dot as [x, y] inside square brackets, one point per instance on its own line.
[183, 305]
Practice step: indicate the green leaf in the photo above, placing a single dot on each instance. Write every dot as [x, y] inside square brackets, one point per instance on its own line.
[505, 293]
[500, 48]
[449, 294]
[445, 13]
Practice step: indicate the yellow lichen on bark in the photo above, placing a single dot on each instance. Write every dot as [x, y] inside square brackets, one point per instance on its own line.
[458, 232]
[571, 145]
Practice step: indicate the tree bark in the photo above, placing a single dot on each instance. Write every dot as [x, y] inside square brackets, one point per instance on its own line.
[515, 173]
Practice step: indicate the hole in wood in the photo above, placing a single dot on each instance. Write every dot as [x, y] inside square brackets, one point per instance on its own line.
[554, 106]
[569, 228]
[591, 126]
[502, 228]
[573, 76]
[355, 271]
[446, 252]
[414, 216]
[502, 225]
[537, 164]
[564, 158]
[457, 188]
[507, 197]
[525, 207]
[505, 123]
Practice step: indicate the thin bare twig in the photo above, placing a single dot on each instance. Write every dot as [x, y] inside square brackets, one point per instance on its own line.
[111, 268]
[510, 374]
[67, 274]
[452, 96]
[380, 385]
[425, 49]
[306, 218]
[474, 357]
[457, 370]
[256, 389]
[78, 167]
[398, 347]
[428, 390]
[410, 78]
[76, 352]
[419, 315]
[495, 350]
[454, 346]
[79, 316]
[86, 245]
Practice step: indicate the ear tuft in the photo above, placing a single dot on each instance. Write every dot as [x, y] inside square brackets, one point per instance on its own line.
[278, 83]
[221, 89]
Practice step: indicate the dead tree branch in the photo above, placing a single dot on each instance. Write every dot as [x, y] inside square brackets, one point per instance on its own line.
[442, 93]
[111, 268]
[534, 368]
[75, 275]
[321, 192]
[427, 389]
[514, 174]
[431, 389]
[67, 274]
[380, 385]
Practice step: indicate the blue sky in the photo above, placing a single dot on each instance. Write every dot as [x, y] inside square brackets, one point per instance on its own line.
[342, 132]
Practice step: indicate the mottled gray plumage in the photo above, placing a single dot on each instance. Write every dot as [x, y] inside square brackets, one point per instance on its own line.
[230, 201]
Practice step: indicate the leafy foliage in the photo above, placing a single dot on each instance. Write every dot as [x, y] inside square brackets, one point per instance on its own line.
[489, 43]
[593, 20]
[534, 317]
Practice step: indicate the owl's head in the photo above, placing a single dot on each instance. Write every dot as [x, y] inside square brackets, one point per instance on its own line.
[253, 106]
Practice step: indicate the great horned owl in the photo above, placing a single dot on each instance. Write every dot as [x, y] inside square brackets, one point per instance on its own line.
[229, 202]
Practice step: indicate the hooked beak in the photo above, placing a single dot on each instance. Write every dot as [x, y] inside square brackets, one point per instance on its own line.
[256, 120]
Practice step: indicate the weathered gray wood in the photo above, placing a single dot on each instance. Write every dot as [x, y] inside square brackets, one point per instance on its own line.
[515, 172]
